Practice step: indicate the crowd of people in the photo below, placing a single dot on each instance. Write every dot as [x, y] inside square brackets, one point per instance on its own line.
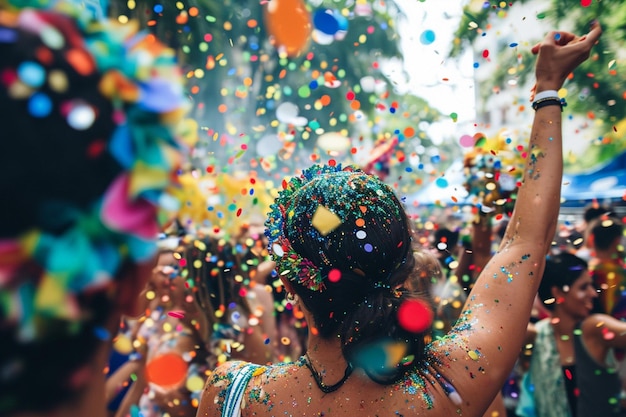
[339, 305]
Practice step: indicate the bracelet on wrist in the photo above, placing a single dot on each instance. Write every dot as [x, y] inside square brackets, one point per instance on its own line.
[549, 101]
[545, 94]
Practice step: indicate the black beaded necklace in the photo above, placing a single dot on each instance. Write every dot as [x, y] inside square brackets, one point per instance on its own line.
[326, 389]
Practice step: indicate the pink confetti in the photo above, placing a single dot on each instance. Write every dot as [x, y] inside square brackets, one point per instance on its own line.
[334, 275]
[176, 314]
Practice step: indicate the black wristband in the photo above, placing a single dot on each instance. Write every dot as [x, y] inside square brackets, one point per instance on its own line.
[549, 101]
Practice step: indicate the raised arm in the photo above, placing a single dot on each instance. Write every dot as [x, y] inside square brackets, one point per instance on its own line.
[488, 338]
[602, 332]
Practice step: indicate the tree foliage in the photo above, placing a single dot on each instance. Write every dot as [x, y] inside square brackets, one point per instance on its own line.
[237, 78]
[596, 90]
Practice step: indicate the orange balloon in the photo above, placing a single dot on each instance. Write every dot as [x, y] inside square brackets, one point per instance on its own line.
[289, 23]
[167, 370]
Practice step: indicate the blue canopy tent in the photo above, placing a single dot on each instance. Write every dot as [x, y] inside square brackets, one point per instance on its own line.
[606, 184]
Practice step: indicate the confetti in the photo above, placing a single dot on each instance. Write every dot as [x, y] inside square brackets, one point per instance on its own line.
[427, 37]
[166, 370]
[325, 221]
[415, 316]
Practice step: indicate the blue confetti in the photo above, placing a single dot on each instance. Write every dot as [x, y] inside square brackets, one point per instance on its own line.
[39, 105]
[31, 73]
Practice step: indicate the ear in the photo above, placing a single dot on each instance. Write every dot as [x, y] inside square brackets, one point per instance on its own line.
[287, 284]
[558, 294]
[131, 280]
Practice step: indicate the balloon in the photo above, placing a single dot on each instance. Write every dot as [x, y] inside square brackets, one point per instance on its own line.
[325, 22]
[268, 145]
[322, 38]
[342, 22]
[166, 370]
[333, 142]
[368, 83]
[289, 23]
[286, 112]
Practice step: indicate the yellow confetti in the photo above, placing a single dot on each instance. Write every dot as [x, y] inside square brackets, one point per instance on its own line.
[325, 221]
[194, 383]
[123, 345]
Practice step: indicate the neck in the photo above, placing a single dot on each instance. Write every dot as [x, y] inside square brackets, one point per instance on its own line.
[606, 254]
[327, 366]
[326, 351]
[325, 354]
[563, 324]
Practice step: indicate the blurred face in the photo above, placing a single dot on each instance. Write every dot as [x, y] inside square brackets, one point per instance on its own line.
[577, 300]
[166, 279]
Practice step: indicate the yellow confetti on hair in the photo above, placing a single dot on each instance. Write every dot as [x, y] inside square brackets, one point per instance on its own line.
[325, 221]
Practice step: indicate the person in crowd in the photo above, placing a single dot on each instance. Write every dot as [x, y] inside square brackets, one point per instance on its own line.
[605, 237]
[90, 150]
[126, 364]
[476, 249]
[594, 210]
[252, 255]
[342, 246]
[573, 369]
[591, 212]
[215, 266]
[446, 295]
[445, 247]
[199, 310]
[174, 327]
[290, 329]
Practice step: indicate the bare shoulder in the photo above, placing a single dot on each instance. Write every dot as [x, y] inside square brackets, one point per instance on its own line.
[606, 329]
[216, 387]
[258, 389]
[596, 321]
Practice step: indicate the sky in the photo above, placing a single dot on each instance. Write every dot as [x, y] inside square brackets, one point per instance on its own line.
[427, 65]
[446, 84]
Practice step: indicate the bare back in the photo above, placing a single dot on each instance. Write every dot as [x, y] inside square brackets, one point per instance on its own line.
[289, 390]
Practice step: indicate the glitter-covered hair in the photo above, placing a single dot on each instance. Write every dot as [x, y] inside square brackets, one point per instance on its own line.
[88, 115]
[343, 239]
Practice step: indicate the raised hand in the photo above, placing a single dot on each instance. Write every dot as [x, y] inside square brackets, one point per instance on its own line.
[559, 54]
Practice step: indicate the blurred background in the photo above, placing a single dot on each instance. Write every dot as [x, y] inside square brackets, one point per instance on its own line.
[412, 90]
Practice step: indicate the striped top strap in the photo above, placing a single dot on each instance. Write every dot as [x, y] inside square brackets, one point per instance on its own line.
[234, 393]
